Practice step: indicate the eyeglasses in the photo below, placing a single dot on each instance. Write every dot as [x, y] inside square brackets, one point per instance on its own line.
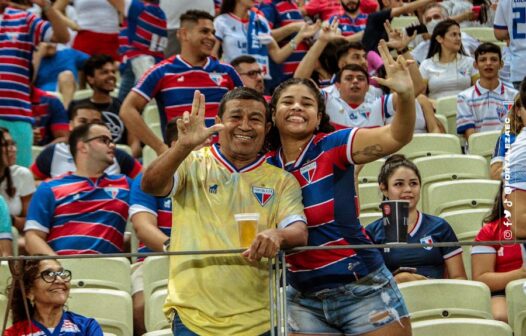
[252, 73]
[50, 276]
[103, 138]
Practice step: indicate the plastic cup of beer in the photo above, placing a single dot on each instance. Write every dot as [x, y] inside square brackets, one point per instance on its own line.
[247, 224]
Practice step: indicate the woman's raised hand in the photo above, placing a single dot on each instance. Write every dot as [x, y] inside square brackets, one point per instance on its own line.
[398, 78]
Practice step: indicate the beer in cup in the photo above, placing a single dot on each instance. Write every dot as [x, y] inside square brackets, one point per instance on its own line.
[247, 224]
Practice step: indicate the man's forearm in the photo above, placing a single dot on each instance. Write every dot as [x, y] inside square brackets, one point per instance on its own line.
[293, 235]
[60, 29]
[162, 170]
[37, 245]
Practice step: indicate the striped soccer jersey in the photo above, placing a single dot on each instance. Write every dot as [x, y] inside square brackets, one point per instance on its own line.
[325, 171]
[280, 13]
[483, 109]
[160, 207]
[173, 82]
[146, 30]
[348, 25]
[81, 215]
[20, 32]
[49, 114]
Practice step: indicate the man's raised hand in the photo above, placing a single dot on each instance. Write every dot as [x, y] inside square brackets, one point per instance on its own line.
[192, 130]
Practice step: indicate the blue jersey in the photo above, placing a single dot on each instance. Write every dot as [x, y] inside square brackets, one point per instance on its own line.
[428, 261]
[70, 324]
[160, 207]
[325, 171]
[81, 215]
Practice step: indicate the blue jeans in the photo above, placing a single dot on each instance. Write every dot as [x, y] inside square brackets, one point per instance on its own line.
[179, 329]
[359, 307]
[127, 81]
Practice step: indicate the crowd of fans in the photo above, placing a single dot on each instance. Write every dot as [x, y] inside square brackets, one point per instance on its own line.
[320, 65]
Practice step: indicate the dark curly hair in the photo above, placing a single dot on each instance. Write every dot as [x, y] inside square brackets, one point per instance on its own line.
[273, 139]
[5, 171]
[392, 163]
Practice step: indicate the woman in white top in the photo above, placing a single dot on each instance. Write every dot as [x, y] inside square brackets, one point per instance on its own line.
[242, 30]
[447, 70]
[17, 184]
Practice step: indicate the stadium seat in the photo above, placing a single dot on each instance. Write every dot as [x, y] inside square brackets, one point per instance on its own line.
[14, 232]
[466, 260]
[155, 275]
[369, 171]
[125, 148]
[109, 273]
[448, 167]
[431, 144]
[459, 195]
[446, 298]
[82, 94]
[483, 143]
[151, 114]
[465, 223]
[461, 327]
[483, 34]
[447, 106]
[163, 332]
[111, 308]
[400, 22]
[443, 121]
[368, 218]
[5, 277]
[154, 318]
[370, 197]
[35, 151]
[148, 155]
[516, 300]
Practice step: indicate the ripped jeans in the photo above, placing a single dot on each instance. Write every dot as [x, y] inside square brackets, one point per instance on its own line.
[353, 309]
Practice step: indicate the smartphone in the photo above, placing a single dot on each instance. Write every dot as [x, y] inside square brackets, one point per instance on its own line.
[420, 29]
[405, 269]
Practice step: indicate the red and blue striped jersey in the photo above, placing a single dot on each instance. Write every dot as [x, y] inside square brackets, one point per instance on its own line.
[81, 215]
[124, 42]
[173, 82]
[49, 115]
[325, 171]
[160, 207]
[348, 25]
[20, 32]
[280, 13]
[70, 324]
[146, 30]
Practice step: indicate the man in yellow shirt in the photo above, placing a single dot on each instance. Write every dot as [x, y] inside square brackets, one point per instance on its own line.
[224, 294]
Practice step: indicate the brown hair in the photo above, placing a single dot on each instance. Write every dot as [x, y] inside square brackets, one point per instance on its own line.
[392, 163]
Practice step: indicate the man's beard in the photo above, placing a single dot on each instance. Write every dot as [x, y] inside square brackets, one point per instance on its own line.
[350, 9]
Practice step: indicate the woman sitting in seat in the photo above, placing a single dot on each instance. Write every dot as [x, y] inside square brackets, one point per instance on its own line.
[399, 179]
[46, 287]
[497, 265]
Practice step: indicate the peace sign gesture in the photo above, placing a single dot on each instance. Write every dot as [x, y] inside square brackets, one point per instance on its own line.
[192, 130]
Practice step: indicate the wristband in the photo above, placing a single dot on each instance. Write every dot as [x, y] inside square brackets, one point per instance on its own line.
[47, 5]
[293, 44]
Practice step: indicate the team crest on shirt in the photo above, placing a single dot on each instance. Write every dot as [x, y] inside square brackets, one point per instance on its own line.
[502, 111]
[216, 77]
[308, 171]
[69, 326]
[263, 195]
[112, 191]
[427, 240]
